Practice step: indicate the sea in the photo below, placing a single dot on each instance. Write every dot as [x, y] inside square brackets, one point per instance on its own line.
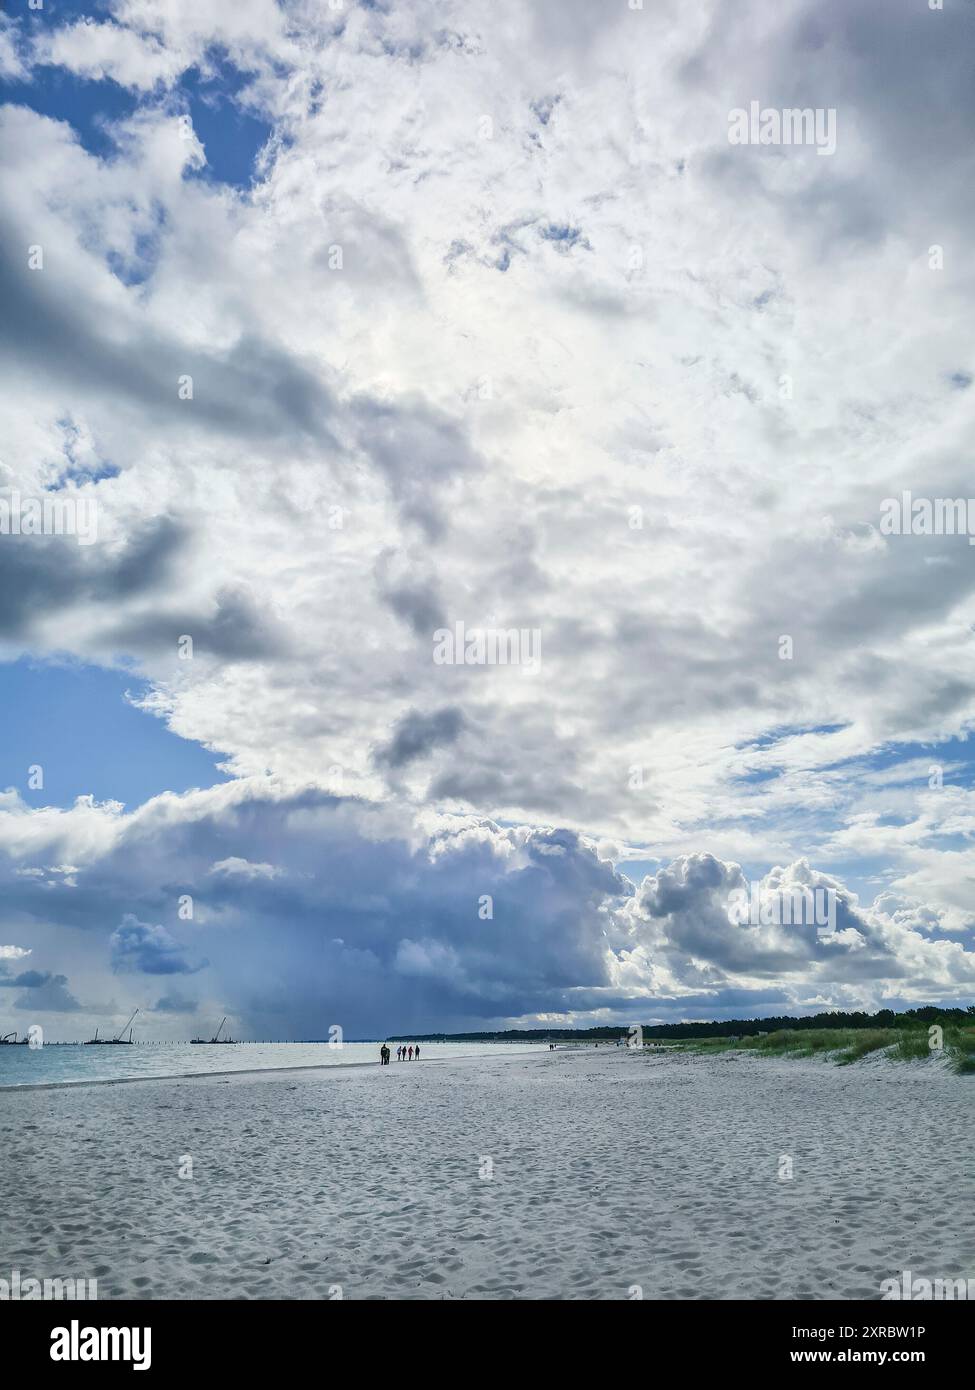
[59, 1064]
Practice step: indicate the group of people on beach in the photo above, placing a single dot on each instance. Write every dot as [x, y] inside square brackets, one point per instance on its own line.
[403, 1054]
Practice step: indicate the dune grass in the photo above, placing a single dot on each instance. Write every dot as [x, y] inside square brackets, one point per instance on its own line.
[847, 1045]
[963, 1041]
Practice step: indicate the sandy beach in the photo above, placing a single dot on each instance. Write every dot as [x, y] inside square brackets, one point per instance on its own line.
[561, 1175]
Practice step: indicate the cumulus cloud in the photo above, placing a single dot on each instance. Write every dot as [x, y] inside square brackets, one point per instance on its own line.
[500, 328]
[152, 950]
[235, 867]
[44, 992]
[376, 919]
[683, 923]
[499, 492]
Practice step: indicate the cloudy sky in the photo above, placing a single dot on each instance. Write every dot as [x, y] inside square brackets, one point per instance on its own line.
[351, 322]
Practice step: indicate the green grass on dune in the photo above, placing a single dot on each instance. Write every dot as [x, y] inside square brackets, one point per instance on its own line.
[847, 1045]
[912, 1047]
[963, 1041]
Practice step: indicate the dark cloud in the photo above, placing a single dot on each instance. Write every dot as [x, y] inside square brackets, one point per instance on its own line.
[254, 389]
[417, 604]
[39, 574]
[235, 629]
[152, 950]
[378, 928]
[28, 979]
[420, 452]
[757, 524]
[417, 735]
[361, 925]
[45, 993]
[175, 1004]
[410, 592]
[865, 59]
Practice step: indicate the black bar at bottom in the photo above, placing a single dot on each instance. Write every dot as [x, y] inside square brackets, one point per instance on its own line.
[198, 1338]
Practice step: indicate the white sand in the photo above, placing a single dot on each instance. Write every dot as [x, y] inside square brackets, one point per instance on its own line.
[611, 1169]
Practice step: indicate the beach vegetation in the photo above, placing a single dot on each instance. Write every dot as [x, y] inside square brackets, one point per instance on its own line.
[847, 1045]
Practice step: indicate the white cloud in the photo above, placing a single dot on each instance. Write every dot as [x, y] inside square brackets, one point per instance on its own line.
[99, 51]
[234, 867]
[578, 365]
[373, 914]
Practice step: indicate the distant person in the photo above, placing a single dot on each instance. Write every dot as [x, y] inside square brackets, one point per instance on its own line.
[410, 1051]
[416, 1053]
[399, 1052]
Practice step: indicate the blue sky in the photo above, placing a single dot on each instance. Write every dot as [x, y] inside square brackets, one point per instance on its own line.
[80, 724]
[355, 323]
[211, 93]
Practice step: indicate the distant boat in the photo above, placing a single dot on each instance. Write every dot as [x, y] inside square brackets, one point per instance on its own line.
[216, 1037]
[119, 1036]
[10, 1040]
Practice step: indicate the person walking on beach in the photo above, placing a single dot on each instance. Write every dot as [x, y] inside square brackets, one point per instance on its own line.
[384, 1056]
[410, 1051]
[416, 1053]
[399, 1054]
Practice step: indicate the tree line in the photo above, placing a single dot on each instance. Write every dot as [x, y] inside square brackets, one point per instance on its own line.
[719, 1028]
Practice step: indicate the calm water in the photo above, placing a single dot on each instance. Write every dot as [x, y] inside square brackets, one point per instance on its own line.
[73, 1062]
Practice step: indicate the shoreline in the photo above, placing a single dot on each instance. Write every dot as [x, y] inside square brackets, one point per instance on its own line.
[234, 1071]
[691, 1051]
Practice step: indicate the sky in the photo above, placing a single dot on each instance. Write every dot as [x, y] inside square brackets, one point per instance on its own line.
[335, 328]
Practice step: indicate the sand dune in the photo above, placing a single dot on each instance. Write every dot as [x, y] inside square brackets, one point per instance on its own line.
[609, 1170]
